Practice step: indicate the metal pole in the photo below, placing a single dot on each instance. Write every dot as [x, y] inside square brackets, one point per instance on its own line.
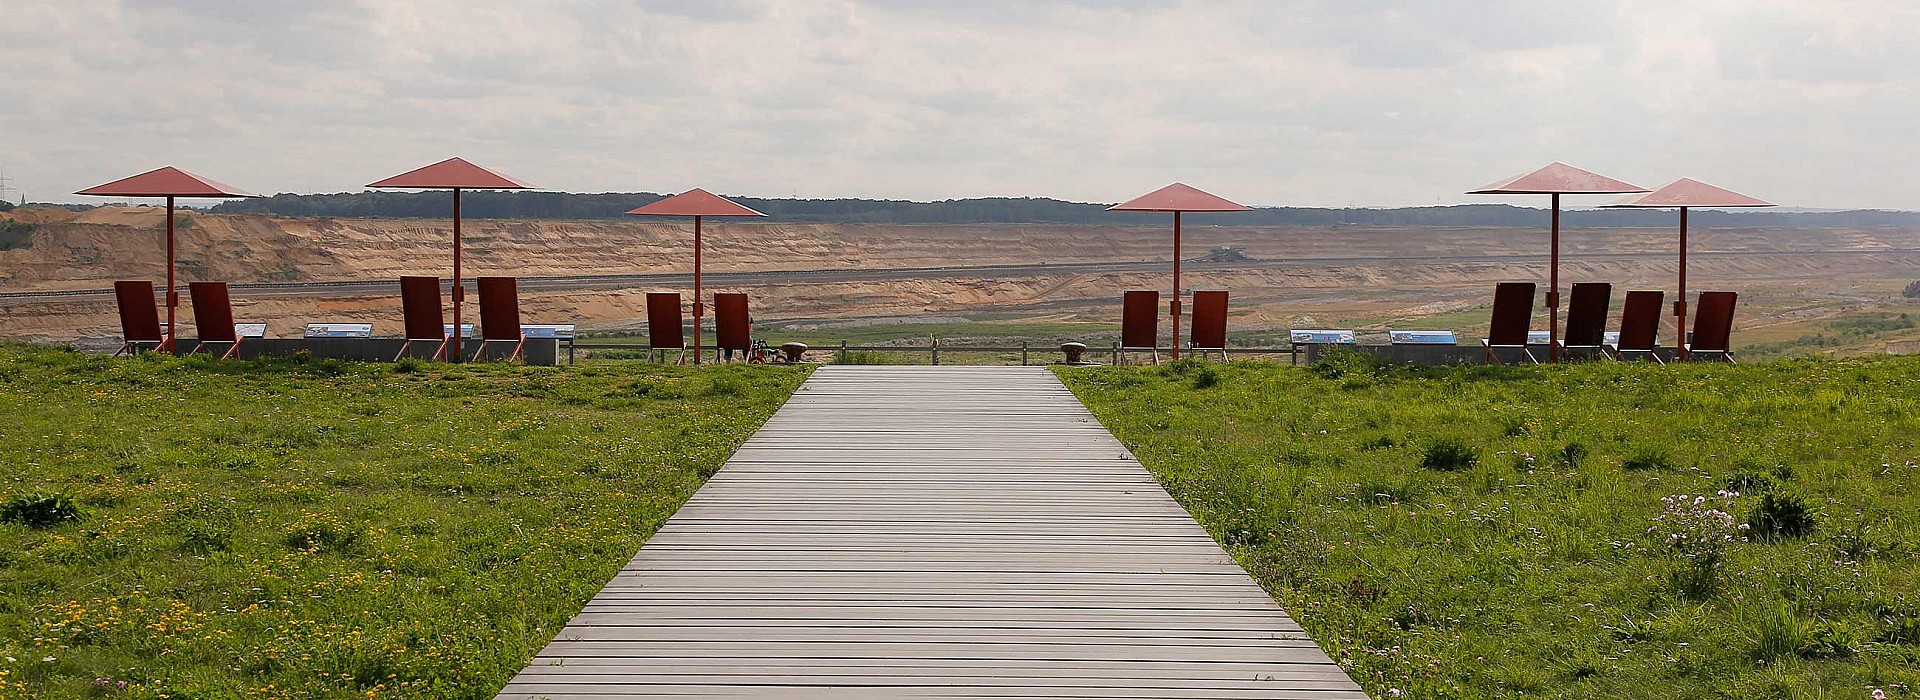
[936, 351]
[1023, 353]
[843, 351]
[1175, 304]
[459, 290]
[173, 299]
[696, 288]
[1553, 288]
[1680, 305]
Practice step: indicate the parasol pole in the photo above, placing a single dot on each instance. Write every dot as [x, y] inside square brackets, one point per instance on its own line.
[1680, 305]
[173, 300]
[459, 348]
[1175, 304]
[697, 309]
[1553, 288]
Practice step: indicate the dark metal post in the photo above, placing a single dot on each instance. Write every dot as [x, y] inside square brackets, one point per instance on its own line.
[1175, 304]
[173, 299]
[1023, 353]
[843, 351]
[1553, 288]
[459, 290]
[696, 290]
[1680, 305]
[936, 351]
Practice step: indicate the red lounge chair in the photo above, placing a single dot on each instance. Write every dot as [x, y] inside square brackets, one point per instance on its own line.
[665, 331]
[500, 316]
[1209, 324]
[1139, 324]
[1713, 326]
[420, 303]
[1640, 325]
[1587, 317]
[213, 316]
[139, 315]
[1512, 318]
[732, 326]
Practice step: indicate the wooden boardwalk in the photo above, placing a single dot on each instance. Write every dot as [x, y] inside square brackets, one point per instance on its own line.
[932, 532]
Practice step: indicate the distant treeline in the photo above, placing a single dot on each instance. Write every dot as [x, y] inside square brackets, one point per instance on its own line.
[1012, 210]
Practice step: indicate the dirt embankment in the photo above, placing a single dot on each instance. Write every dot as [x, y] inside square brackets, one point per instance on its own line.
[90, 249]
[1395, 272]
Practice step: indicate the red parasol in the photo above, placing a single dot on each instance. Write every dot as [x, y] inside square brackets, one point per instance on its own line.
[697, 203]
[1557, 179]
[1177, 198]
[1686, 193]
[171, 183]
[453, 174]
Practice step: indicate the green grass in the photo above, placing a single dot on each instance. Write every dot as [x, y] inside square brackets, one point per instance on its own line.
[911, 333]
[315, 529]
[1043, 338]
[1518, 562]
[1848, 334]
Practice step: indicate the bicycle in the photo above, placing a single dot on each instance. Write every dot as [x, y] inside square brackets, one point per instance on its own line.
[762, 354]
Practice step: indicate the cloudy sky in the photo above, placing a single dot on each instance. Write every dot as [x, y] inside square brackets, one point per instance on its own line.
[1310, 102]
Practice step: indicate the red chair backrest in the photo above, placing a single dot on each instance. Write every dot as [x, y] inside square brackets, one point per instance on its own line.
[420, 303]
[732, 327]
[1512, 314]
[1209, 319]
[139, 317]
[499, 308]
[1587, 314]
[1640, 320]
[212, 312]
[1139, 319]
[664, 328]
[1713, 325]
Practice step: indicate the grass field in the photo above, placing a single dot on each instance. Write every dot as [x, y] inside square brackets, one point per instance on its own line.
[1501, 532]
[906, 333]
[312, 529]
[1845, 334]
[1835, 333]
[1043, 337]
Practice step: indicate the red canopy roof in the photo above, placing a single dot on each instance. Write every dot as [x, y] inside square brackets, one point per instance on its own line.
[1177, 197]
[1559, 178]
[453, 173]
[166, 182]
[696, 202]
[1688, 192]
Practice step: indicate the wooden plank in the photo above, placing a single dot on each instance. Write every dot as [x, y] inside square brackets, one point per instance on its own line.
[932, 532]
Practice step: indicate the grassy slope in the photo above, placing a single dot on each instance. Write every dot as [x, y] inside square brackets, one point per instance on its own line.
[322, 530]
[1527, 576]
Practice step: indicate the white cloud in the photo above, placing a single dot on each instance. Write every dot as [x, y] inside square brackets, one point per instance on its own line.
[1307, 102]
